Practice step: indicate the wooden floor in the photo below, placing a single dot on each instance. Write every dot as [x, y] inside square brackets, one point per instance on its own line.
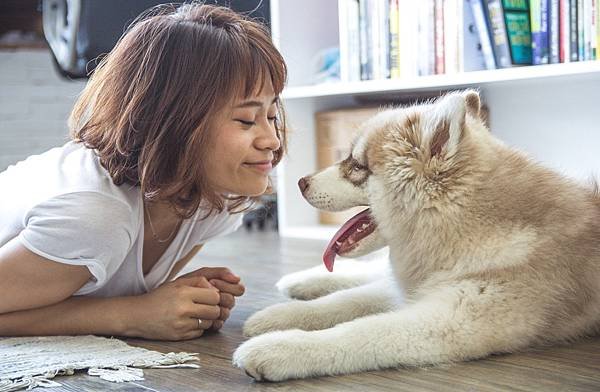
[261, 258]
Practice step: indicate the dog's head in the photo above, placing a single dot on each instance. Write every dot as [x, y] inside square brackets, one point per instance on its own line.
[405, 161]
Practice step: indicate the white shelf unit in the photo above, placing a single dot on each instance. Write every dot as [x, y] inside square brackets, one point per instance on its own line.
[550, 111]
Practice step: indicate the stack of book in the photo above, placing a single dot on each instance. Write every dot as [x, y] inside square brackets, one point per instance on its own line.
[381, 39]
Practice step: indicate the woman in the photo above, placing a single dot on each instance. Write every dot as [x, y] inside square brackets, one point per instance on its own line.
[174, 134]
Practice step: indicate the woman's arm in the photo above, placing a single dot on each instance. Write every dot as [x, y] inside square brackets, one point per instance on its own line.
[28, 280]
[37, 300]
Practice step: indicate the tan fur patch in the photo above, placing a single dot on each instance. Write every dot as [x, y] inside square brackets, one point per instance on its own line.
[353, 171]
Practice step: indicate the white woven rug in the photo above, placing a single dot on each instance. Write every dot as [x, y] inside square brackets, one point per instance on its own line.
[32, 361]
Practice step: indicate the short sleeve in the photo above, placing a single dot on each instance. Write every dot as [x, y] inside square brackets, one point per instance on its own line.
[81, 228]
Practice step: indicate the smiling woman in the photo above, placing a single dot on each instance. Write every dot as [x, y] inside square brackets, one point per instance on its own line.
[174, 135]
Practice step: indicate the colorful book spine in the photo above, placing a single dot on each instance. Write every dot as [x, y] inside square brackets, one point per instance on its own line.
[473, 52]
[597, 29]
[539, 31]
[479, 17]
[365, 43]
[516, 17]
[348, 35]
[594, 30]
[580, 30]
[439, 36]
[587, 24]
[426, 40]
[353, 40]
[497, 27]
[394, 40]
[383, 33]
[565, 30]
[553, 31]
[573, 33]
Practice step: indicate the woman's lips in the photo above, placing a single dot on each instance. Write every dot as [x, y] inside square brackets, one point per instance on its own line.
[263, 166]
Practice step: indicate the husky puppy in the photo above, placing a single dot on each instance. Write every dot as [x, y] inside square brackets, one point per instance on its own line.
[493, 253]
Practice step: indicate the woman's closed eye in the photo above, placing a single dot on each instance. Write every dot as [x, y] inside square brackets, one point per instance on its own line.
[248, 123]
[251, 123]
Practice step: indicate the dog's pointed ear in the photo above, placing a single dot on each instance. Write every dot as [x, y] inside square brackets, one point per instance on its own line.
[472, 102]
[449, 121]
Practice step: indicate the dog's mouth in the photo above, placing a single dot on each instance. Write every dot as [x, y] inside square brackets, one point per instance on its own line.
[348, 236]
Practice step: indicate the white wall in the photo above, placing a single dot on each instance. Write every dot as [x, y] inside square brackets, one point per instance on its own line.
[34, 104]
[556, 120]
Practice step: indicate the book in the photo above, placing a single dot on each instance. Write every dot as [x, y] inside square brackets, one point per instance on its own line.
[439, 36]
[516, 18]
[553, 31]
[564, 44]
[580, 31]
[497, 28]
[366, 71]
[477, 10]
[349, 40]
[426, 38]
[538, 11]
[472, 48]
[573, 33]
[394, 39]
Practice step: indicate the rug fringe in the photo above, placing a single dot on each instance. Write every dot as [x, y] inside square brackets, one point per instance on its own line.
[28, 383]
[109, 373]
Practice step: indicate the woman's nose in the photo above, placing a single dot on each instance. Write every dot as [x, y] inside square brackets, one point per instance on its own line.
[268, 139]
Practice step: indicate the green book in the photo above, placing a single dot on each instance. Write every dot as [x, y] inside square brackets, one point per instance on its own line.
[516, 17]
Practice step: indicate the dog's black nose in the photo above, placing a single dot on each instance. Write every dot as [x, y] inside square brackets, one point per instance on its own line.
[303, 184]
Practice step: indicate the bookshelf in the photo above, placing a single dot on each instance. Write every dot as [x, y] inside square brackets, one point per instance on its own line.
[550, 111]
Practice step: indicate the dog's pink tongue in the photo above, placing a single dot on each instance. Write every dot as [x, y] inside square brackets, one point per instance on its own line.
[334, 246]
[329, 258]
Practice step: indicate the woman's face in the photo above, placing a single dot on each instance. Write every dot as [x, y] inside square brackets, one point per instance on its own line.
[243, 141]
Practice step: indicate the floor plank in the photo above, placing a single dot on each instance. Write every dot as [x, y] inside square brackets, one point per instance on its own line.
[261, 258]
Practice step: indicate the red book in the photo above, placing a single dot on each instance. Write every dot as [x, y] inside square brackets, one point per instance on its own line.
[439, 37]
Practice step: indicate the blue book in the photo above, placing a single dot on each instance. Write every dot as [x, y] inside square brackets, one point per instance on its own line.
[498, 33]
[539, 31]
[553, 31]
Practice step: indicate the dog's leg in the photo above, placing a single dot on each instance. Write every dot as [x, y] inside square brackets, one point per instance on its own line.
[325, 312]
[460, 322]
[317, 281]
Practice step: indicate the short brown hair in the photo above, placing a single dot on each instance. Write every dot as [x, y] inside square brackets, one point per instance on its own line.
[147, 108]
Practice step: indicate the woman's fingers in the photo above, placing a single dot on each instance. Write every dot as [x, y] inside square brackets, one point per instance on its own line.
[217, 324]
[236, 289]
[204, 296]
[204, 312]
[227, 300]
[215, 272]
[225, 312]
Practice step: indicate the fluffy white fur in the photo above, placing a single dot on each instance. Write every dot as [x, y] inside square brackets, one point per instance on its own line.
[493, 253]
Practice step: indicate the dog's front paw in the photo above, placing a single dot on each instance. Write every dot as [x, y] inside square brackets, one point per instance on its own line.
[278, 356]
[287, 315]
[315, 283]
[303, 287]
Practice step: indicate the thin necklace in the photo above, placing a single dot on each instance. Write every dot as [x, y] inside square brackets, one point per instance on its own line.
[154, 235]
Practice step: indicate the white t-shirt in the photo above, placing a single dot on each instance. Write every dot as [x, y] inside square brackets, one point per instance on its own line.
[63, 205]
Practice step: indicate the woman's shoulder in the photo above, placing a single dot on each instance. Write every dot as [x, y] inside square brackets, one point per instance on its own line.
[71, 169]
